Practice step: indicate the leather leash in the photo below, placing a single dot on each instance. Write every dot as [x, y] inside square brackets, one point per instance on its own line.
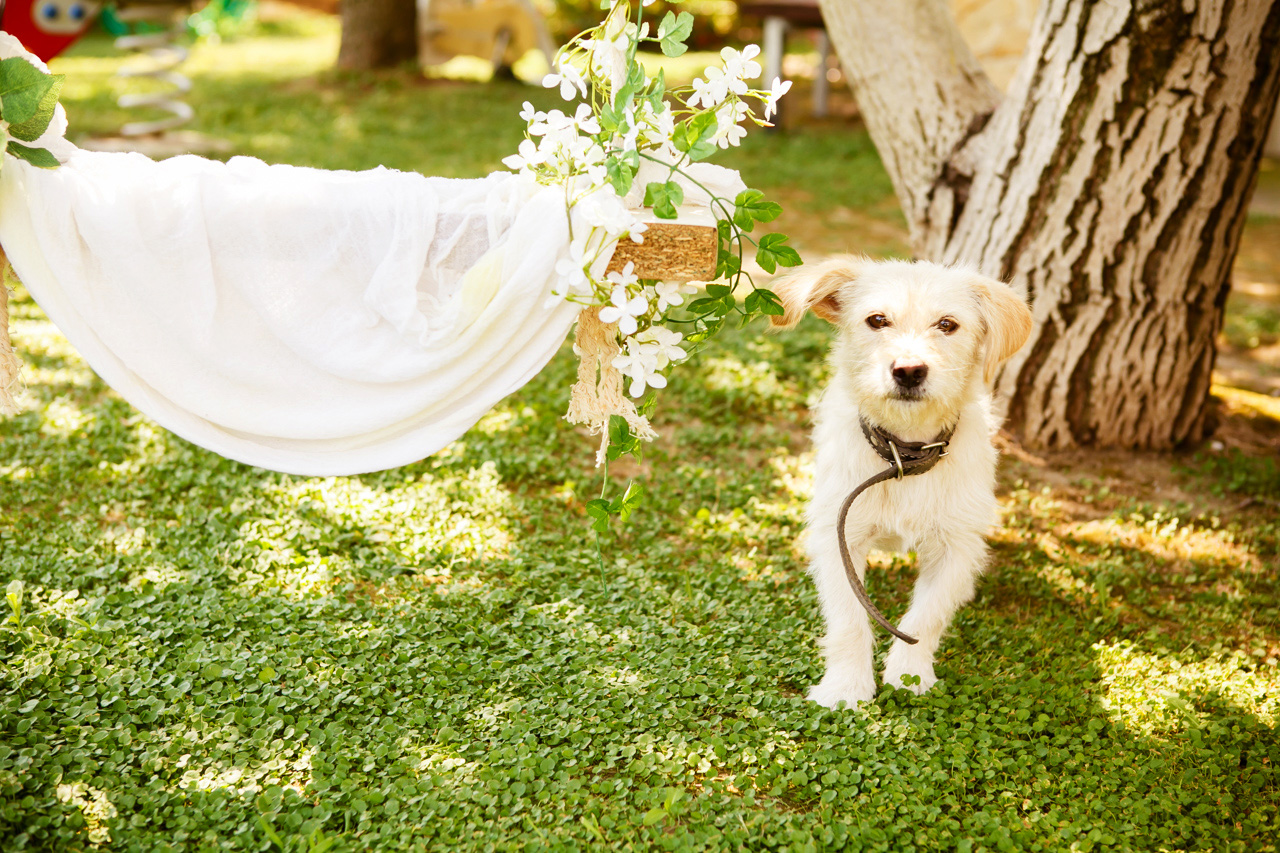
[905, 458]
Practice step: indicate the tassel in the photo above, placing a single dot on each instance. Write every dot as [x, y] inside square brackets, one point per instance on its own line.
[10, 365]
[598, 393]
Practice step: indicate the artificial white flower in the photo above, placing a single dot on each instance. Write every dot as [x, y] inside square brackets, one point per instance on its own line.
[602, 208]
[710, 93]
[627, 141]
[671, 293]
[597, 174]
[659, 126]
[571, 276]
[624, 310]
[625, 277]
[741, 65]
[585, 119]
[639, 363]
[609, 57]
[526, 156]
[663, 344]
[528, 113]
[569, 80]
[728, 131]
[776, 91]
[556, 120]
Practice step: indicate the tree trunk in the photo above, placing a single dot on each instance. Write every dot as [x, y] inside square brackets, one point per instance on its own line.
[378, 34]
[1110, 184]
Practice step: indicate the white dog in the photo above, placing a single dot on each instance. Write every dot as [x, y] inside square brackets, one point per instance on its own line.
[917, 349]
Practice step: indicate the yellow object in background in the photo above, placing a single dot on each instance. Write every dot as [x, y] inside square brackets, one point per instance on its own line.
[501, 31]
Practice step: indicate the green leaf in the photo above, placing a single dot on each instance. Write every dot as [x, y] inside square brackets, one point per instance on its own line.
[621, 441]
[653, 816]
[271, 832]
[672, 32]
[34, 127]
[621, 174]
[664, 198]
[727, 264]
[628, 502]
[750, 208]
[657, 90]
[610, 118]
[598, 509]
[763, 302]
[23, 88]
[35, 156]
[13, 594]
[772, 252]
[694, 136]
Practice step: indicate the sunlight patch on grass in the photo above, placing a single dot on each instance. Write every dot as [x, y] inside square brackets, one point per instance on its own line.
[63, 418]
[625, 678]
[278, 568]
[795, 475]
[501, 419]
[754, 383]
[283, 770]
[125, 540]
[42, 339]
[1160, 695]
[157, 577]
[95, 807]
[462, 514]
[437, 763]
[1166, 538]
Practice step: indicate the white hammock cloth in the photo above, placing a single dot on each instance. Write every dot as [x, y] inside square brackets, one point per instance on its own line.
[306, 321]
[312, 322]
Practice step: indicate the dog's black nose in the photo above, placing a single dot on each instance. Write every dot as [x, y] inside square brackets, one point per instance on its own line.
[909, 375]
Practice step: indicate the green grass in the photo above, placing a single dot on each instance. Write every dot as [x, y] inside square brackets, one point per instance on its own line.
[1250, 325]
[209, 656]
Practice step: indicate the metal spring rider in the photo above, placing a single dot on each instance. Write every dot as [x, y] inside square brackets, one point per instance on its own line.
[161, 47]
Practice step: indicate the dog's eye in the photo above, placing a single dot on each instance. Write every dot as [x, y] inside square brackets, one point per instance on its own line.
[877, 321]
[947, 325]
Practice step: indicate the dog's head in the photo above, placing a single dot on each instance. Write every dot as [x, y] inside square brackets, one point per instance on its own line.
[915, 338]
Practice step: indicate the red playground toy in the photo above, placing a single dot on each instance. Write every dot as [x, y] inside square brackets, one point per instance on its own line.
[47, 27]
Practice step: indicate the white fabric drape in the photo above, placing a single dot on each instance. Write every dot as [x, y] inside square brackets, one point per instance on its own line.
[306, 321]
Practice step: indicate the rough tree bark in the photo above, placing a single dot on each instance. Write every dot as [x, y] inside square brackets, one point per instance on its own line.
[1110, 184]
[378, 34]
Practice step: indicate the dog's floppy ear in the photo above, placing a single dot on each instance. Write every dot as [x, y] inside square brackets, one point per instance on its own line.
[814, 288]
[1008, 323]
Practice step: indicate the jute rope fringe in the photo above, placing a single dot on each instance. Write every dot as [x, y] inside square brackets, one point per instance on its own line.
[10, 365]
[599, 393]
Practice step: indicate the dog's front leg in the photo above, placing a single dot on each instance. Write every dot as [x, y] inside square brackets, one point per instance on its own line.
[850, 674]
[948, 570]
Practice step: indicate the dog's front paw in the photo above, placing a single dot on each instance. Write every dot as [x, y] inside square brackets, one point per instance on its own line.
[836, 688]
[907, 671]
